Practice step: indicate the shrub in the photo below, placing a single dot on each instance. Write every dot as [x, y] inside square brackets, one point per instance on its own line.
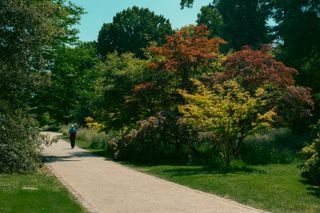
[275, 146]
[208, 154]
[19, 141]
[90, 123]
[311, 166]
[96, 138]
[157, 139]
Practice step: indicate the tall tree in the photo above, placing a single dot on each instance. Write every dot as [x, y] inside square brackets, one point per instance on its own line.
[254, 69]
[71, 87]
[229, 112]
[132, 30]
[116, 108]
[244, 22]
[298, 31]
[187, 53]
[29, 32]
[211, 17]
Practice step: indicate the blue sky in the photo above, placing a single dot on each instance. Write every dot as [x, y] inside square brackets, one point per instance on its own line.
[102, 11]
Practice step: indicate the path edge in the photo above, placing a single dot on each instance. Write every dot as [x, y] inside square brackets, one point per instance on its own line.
[89, 207]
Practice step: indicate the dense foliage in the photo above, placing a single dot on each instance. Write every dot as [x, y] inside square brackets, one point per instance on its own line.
[132, 30]
[29, 32]
[292, 25]
[311, 166]
[297, 30]
[235, 96]
[71, 85]
[19, 141]
[238, 22]
[117, 108]
[211, 17]
[254, 69]
[228, 112]
[156, 139]
[164, 94]
[187, 53]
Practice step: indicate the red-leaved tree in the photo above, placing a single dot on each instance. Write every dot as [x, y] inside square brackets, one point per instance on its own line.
[187, 52]
[254, 69]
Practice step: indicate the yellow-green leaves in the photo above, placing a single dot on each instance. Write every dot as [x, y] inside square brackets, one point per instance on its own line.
[228, 111]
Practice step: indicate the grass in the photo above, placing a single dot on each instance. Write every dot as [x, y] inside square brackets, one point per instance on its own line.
[38, 192]
[276, 188]
[272, 187]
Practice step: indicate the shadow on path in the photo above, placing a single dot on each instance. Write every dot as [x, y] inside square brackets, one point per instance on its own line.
[71, 156]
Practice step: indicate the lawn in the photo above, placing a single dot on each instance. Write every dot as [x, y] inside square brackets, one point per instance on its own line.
[273, 187]
[39, 192]
[276, 188]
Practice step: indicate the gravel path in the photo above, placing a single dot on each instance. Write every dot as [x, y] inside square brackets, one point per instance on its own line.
[105, 186]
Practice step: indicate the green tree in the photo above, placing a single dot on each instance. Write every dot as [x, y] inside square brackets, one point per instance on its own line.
[311, 155]
[211, 17]
[186, 3]
[244, 22]
[299, 42]
[132, 30]
[228, 112]
[117, 108]
[29, 33]
[71, 86]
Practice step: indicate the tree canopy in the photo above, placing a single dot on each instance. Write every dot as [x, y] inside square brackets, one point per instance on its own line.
[228, 112]
[298, 31]
[210, 16]
[133, 30]
[238, 22]
[187, 52]
[29, 33]
[258, 68]
[71, 85]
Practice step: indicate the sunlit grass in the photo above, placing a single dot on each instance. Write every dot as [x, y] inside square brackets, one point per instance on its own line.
[39, 192]
[276, 188]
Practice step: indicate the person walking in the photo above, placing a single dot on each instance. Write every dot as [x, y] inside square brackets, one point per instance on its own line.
[73, 134]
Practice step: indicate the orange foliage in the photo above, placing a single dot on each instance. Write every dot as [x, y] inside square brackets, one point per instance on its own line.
[143, 87]
[189, 48]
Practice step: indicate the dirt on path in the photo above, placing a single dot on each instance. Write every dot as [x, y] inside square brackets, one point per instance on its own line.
[105, 186]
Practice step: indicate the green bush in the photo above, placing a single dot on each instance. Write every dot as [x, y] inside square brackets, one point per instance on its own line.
[276, 146]
[311, 166]
[208, 154]
[157, 139]
[96, 138]
[19, 141]
[15, 160]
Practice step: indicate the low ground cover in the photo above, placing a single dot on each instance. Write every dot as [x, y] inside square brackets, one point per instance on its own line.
[38, 192]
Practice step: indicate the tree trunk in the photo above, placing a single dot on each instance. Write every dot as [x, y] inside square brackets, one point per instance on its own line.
[227, 154]
[185, 81]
